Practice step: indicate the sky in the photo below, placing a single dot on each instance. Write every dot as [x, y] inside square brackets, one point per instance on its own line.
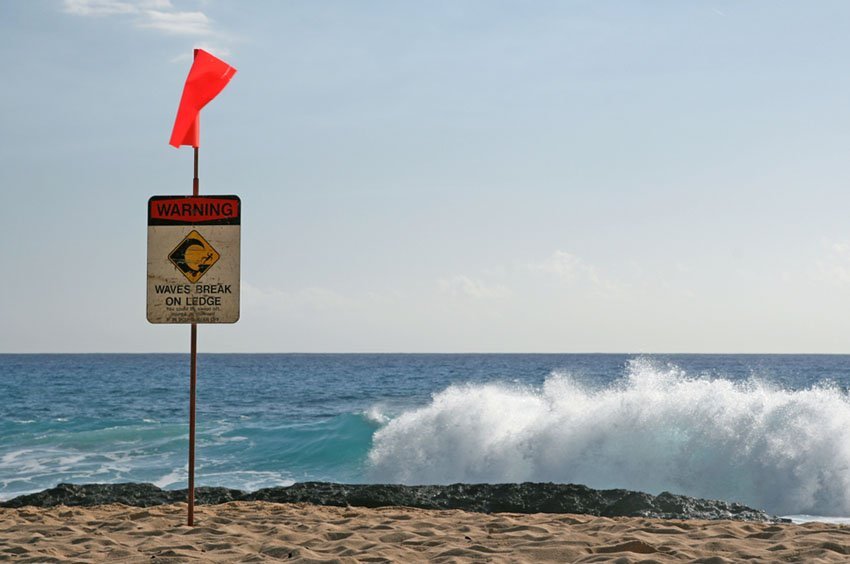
[447, 176]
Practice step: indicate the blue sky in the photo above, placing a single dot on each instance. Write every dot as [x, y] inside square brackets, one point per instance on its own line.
[438, 177]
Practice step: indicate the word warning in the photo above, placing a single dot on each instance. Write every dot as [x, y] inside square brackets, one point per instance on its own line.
[193, 259]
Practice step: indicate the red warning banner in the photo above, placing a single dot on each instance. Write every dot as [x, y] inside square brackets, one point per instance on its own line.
[193, 210]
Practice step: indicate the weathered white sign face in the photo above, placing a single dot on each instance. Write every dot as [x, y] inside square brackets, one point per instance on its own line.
[193, 259]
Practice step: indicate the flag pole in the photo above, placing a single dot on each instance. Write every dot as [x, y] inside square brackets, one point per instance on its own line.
[195, 182]
[193, 371]
[207, 77]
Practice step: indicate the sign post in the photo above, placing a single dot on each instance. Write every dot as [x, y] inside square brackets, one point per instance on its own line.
[193, 241]
[193, 381]
[193, 275]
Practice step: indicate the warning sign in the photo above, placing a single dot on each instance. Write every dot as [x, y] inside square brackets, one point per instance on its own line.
[193, 259]
[194, 256]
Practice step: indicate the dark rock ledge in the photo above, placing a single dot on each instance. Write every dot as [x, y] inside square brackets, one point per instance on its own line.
[482, 498]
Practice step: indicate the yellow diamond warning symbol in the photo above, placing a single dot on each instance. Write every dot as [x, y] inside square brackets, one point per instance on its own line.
[193, 256]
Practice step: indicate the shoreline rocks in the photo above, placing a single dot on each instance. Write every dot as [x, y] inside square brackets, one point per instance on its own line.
[482, 498]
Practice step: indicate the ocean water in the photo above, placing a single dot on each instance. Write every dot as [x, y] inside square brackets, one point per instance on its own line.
[770, 431]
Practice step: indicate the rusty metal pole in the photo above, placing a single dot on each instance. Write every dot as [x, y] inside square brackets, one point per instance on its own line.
[193, 374]
[195, 182]
[193, 369]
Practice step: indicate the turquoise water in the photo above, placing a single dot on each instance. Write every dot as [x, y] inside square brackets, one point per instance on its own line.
[769, 431]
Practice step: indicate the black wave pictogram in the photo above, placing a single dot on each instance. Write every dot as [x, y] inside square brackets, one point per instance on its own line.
[178, 257]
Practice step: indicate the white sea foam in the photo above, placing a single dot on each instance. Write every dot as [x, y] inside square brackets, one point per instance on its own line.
[800, 519]
[247, 480]
[65, 462]
[657, 429]
[376, 414]
[177, 475]
[11, 457]
[26, 461]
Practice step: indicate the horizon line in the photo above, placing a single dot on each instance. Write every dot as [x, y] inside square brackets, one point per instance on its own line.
[353, 353]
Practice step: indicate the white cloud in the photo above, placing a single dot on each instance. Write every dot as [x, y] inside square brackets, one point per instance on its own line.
[835, 267]
[571, 268]
[461, 285]
[159, 15]
[562, 264]
[178, 23]
[99, 7]
[113, 7]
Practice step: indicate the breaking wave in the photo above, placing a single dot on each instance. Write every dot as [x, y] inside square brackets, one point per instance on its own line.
[656, 429]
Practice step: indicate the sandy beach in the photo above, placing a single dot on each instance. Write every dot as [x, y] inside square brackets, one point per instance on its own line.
[259, 531]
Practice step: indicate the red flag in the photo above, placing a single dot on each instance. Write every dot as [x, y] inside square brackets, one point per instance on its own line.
[207, 77]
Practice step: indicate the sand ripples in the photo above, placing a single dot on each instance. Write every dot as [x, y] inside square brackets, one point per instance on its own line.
[258, 532]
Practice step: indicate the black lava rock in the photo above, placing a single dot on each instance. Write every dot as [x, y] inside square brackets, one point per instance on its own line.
[138, 495]
[483, 498]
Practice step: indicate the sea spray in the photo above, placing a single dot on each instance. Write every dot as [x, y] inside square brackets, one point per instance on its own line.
[656, 429]
[269, 420]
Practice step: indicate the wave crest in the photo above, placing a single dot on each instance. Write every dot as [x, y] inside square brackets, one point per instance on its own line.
[656, 429]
